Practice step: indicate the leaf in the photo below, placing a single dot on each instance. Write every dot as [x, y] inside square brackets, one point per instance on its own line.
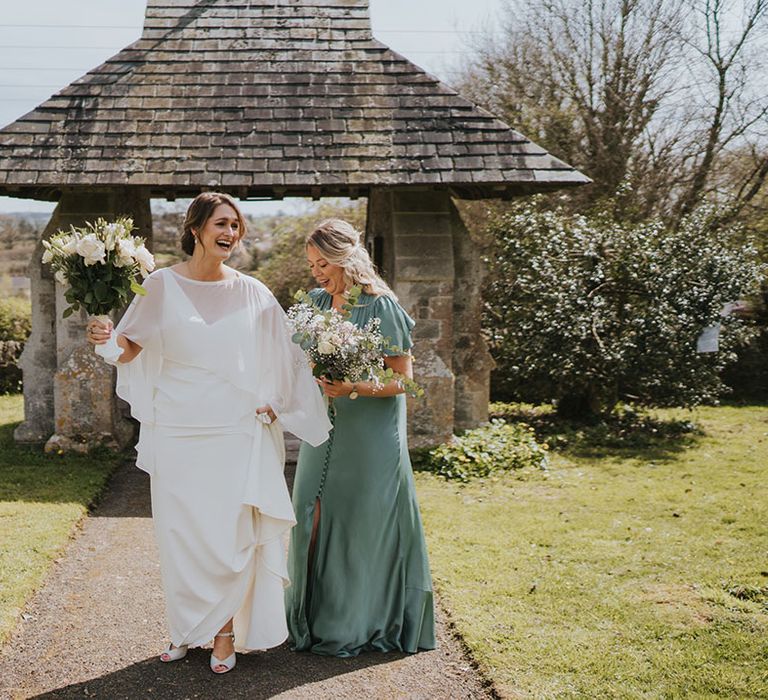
[136, 288]
[101, 291]
[68, 312]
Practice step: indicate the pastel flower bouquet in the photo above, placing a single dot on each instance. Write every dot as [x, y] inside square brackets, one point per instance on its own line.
[99, 264]
[340, 350]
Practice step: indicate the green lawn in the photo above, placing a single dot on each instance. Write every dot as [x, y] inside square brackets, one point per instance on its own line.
[620, 573]
[42, 497]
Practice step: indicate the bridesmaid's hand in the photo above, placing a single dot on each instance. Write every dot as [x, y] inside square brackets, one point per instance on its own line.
[268, 410]
[97, 332]
[335, 389]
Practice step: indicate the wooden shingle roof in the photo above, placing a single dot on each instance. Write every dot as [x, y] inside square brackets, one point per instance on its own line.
[266, 98]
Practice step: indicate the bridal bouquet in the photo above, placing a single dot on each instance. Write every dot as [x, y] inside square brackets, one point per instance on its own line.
[338, 349]
[100, 263]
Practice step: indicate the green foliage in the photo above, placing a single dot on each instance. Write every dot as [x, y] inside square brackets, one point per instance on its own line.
[586, 311]
[748, 378]
[493, 448]
[15, 319]
[15, 327]
[284, 267]
[100, 290]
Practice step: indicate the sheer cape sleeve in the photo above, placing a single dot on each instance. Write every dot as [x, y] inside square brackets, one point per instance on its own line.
[287, 383]
[142, 323]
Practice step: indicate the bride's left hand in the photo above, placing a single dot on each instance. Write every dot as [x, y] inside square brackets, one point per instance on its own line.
[335, 389]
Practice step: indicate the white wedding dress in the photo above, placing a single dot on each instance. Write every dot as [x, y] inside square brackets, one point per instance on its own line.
[212, 353]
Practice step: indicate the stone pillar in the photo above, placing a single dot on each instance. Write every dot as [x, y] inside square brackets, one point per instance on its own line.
[415, 246]
[471, 360]
[38, 360]
[85, 409]
[424, 250]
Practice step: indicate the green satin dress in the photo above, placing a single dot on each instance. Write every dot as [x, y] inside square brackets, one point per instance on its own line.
[368, 586]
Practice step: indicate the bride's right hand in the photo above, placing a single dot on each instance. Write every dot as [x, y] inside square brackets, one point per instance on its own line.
[97, 332]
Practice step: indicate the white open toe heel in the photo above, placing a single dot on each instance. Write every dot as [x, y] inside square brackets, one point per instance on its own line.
[171, 654]
[229, 662]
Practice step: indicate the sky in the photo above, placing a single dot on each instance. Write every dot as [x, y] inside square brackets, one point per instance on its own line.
[46, 44]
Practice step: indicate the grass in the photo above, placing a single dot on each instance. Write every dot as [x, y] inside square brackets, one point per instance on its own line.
[637, 567]
[42, 497]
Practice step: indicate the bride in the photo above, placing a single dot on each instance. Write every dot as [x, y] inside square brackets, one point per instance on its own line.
[210, 372]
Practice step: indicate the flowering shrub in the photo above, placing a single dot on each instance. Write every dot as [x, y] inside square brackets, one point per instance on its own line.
[15, 327]
[586, 311]
[492, 448]
[99, 263]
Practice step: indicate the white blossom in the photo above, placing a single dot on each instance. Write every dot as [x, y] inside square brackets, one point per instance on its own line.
[125, 251]
[68, 245]
[145, 259]
[91, 249]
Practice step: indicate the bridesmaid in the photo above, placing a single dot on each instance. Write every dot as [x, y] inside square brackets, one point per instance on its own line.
[358, 562]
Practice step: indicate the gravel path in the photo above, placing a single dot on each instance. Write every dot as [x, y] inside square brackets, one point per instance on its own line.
[95, 628]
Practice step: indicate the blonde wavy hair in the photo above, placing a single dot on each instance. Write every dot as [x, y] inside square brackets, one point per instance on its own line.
[339, 243]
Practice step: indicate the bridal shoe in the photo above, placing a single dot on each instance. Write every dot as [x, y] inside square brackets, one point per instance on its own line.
[171, 654]
[229, 662]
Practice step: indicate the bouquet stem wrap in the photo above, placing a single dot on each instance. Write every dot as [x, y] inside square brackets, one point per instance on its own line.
[110, 351]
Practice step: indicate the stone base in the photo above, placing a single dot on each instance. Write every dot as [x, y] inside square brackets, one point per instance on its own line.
[85, 406]
[80, 444]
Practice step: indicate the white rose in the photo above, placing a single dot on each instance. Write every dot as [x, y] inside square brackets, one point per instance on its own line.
[145, 260]
[126, 249]
[91, 249]
[60, 277]
[325, 348]
[111, 234]
[68, 245]
[47, 256]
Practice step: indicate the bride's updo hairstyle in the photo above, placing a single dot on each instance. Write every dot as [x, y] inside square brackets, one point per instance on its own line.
[200, 211]
[339, 243]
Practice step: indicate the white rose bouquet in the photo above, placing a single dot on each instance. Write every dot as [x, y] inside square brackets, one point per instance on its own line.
[338, 349]
[100, 263]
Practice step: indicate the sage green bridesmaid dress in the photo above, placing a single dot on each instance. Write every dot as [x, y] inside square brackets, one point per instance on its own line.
[368, 585]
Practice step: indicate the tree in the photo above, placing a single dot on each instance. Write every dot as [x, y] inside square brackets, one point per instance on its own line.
[8, 233]
[648, 97]
[586, 311]
[733, 104]
[284, 268]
